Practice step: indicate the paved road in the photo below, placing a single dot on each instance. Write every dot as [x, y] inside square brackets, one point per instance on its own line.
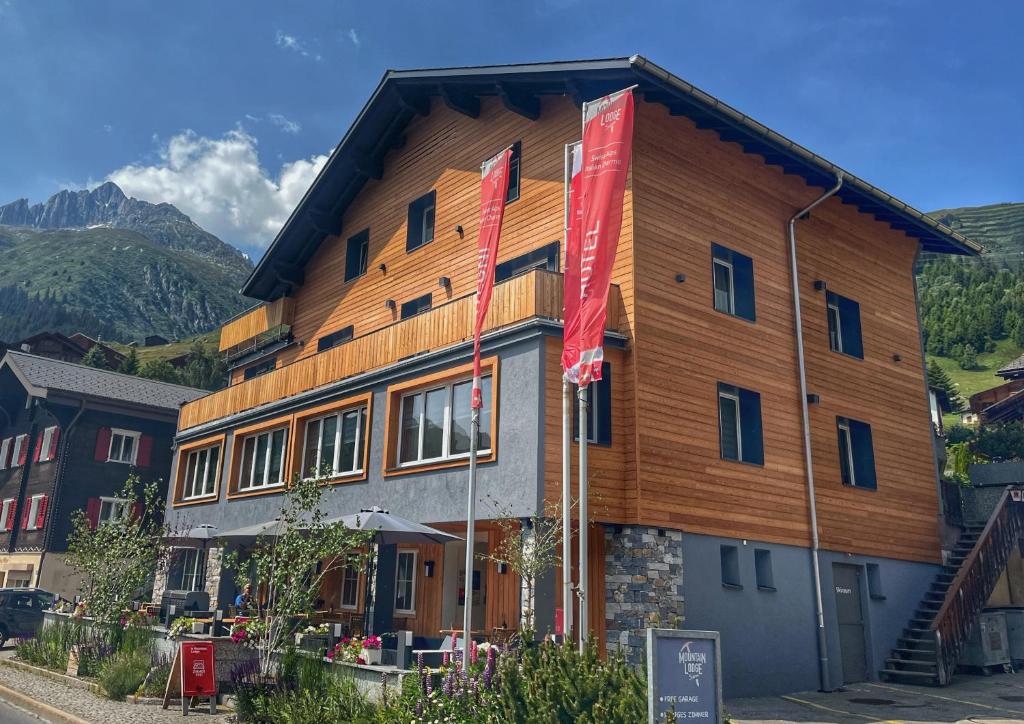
[12, 715]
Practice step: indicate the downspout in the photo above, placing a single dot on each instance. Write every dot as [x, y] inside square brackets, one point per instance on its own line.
[58, 481]
[823, 673]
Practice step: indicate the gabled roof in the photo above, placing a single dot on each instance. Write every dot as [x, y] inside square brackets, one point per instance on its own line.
[403, 94]
[1012, 369]
[42, 376]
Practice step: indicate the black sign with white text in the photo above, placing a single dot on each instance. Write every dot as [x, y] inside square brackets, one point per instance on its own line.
[684, 678]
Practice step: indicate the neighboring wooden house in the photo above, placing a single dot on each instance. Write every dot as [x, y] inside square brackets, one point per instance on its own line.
[360, 357]
[55, 345]
[155, 340]
[113, 357]
[70, 436]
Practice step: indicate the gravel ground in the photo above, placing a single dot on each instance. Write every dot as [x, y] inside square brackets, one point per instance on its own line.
[94, 708]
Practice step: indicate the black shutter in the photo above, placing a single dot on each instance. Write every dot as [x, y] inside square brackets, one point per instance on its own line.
[355, 260]
[863, 455]
[604, 406]
[750, 426]
[743, 283]
[849, 318]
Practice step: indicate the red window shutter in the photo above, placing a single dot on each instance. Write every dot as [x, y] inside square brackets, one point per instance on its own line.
[145, 451]
[39, 448]
[54, 439]
[10, 516]
[24, 513]
[41, 515]
[102, 444]
[92, 512]
[23, 453]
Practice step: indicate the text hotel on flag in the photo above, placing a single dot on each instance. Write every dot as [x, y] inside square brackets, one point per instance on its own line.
[493, 192]
[607, 147]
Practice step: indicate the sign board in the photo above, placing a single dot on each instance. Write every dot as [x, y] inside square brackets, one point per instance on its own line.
[198, 674]
[684, 676]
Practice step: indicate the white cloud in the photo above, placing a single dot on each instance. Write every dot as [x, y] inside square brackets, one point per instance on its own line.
[354, 37]
[290, 42]
[285, 124]
[220, 184]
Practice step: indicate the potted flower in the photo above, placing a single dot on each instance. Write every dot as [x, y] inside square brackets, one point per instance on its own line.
[180, 626]
[371, 650]
[348, 650]
[313, 638]
[246, 630]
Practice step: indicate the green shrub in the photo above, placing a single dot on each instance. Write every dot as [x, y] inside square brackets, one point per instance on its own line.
[52, 644]
[156, 680]
[123, 673]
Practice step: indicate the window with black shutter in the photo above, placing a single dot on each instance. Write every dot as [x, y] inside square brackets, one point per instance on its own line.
[844, 325]
[334, 338]
[514, 166]
[416, 306]
[356, 255]
[856, 453]
[599, 410]
[421, 221]
[732, 277]
[546, 257]
[739, 424]
[261, 368]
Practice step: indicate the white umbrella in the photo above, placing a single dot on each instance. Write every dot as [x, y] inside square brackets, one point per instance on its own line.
[390, 529]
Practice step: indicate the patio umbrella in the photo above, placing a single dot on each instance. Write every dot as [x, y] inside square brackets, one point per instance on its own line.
[391, 529]
[204, 532]
[249, 533]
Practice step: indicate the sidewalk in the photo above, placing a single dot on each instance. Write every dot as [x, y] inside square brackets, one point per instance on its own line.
[980, 699]
[84, 705]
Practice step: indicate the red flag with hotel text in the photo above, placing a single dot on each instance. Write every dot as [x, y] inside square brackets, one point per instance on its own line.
[493, 192]
[607, 147]
[571, 287]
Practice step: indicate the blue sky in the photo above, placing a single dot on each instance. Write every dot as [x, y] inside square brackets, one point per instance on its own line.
[226, 108]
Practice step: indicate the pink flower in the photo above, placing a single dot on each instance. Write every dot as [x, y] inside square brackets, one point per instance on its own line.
[372, 642]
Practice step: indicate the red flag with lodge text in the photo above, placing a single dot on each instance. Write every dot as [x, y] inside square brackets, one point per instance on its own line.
[571, 288]
[493, 193]
[607, 147]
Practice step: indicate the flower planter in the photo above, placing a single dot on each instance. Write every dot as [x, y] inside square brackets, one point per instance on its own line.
[312, 642]
[198, 628]
[371, 657]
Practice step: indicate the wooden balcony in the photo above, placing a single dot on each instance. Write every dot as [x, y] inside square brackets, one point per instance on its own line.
[259, 320]
[534, 294]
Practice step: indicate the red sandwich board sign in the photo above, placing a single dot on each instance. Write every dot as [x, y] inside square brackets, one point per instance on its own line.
[194, 671]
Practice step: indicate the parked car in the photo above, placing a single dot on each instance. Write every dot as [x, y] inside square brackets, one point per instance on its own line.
[21, 611]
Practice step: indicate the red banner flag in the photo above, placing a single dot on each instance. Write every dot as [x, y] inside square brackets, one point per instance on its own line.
[493, 192]
[607, 147]
[571, 287]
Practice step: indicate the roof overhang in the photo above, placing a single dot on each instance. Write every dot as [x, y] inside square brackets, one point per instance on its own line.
[402, 95]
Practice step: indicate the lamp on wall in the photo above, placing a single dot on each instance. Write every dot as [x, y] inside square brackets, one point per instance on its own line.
[383, 268]
[813, 399]
[459, 231]
[819, 285]
[444, 282]
[428, 569]
[390, 304]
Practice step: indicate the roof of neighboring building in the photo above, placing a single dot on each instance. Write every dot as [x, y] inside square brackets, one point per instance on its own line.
[42, 374]
[401, 95]
[54, 336]
[1012, 369]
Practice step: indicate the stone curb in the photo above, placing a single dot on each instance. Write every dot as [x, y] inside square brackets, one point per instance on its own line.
[62, 678]
[38, 707]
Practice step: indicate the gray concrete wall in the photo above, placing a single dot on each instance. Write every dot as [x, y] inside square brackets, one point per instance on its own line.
[769, 637]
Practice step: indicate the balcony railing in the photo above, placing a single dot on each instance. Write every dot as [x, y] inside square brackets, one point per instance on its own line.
[534, 294]
[243, 330]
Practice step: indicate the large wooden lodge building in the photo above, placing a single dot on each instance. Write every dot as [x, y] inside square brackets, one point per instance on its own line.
[360, 354]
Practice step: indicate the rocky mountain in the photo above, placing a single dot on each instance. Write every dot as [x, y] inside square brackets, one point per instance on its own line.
[105, 264]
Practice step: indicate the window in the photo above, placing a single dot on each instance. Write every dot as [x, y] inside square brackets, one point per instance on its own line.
[334, 338]
[421, 222]
[739, 424]
[201, 469]
[17, 450]
[435, 423]
[334, 444]
[263, 460]
[124, 445]
[5, 452]
[48, 447]
[545, 257]
[856, 454]
[7, 515]
[875, 581]
[357, 253]
[405, 583]
[260, 368]
[349, 587]
[514, 166]
[730, 566]
[415, 306]
[36, 512]
[112, 509]
[599, 410]
[763, 569]
[844, 325]
[188, 569]
[733, 280]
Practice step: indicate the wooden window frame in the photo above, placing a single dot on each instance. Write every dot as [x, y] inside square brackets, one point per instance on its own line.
[392, 420]
[255, 435]
[117, 505]
[303, 417]
[446, 433]
[124, 434]
[341, 593]
[179, 499]
[411, 612]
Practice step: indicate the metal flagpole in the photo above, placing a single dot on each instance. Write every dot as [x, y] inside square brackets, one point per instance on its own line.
[584, 622]
[467, 613]
[568, 604]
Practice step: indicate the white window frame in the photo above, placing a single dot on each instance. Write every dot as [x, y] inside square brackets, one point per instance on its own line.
[735, 399]
[118, 509]
[360, 413]
[446, 454]
[33, 511]
[5, 449]
[431, 209]
[6, 511]
[282, 473]
[412, 595]
[44, 452]
[844, 430]
[194, 455]
[732, 286]
[115, 433]
[346, 578]
[833, 309]
[198, 574]
[19, 443]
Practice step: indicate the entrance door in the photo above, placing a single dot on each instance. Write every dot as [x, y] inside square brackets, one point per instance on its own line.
[850, 614]
[455, 588]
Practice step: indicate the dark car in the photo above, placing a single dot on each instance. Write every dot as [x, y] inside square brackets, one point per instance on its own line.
[21, 611]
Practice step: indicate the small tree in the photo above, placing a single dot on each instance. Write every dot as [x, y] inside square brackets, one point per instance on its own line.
[288, 569]
[160, 370]
[130, 364]
[95, 358]
[968, 357]
[939, 378]
[118, 558]
[204, 369]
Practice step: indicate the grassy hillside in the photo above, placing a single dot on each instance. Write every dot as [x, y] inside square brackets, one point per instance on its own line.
[999, 227]
[210, 340]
